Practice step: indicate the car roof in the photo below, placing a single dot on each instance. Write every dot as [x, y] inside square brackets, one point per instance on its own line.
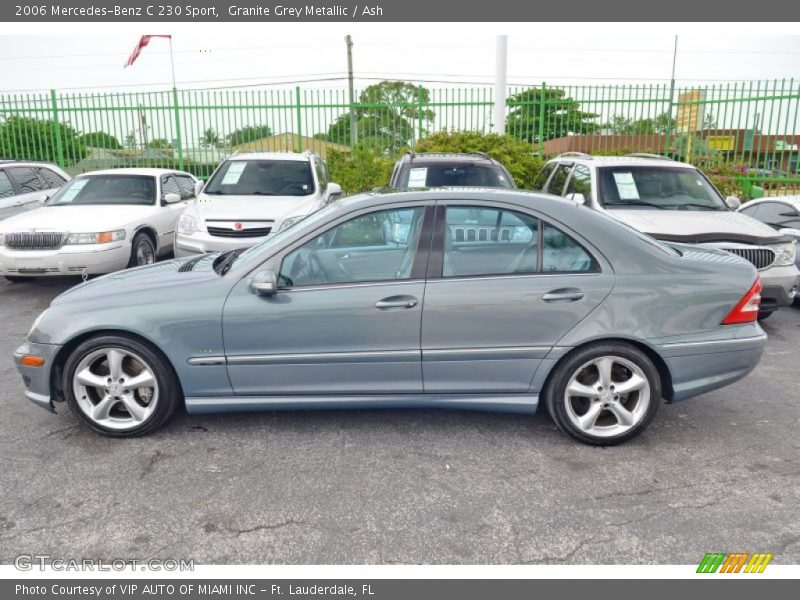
[298, 156]
[10, 162]
[615, 161]
[448, 157]
[793, 200]
[152, 172]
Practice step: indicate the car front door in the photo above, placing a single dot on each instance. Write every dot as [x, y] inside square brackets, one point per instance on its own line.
[346, 317]
[8, 197]
[503, 287]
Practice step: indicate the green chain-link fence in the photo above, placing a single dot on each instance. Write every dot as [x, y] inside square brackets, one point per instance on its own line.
[750, 130]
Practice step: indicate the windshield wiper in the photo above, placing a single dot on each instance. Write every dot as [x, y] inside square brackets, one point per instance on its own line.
[218, 193]
[262, 194]
[648, 205]
[696, 205]
[225, 261]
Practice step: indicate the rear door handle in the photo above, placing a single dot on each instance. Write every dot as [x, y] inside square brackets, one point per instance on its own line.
[563, 295]
[396, 302]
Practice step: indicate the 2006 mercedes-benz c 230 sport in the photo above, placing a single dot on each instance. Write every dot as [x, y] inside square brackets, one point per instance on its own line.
[463, 298]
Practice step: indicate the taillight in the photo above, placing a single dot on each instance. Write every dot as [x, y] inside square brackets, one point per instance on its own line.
[746, 310]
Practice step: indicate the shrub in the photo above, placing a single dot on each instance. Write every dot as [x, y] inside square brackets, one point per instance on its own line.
[360, 171]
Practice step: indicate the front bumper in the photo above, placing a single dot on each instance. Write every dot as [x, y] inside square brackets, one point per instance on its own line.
[202, 243]
[37, 379]
[67, 260]
[779, 286]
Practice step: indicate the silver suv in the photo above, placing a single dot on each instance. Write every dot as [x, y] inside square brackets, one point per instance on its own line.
[675, 202]
[24, 185]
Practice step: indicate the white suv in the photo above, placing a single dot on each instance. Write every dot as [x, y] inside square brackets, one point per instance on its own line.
[675, 202]
[250, 196]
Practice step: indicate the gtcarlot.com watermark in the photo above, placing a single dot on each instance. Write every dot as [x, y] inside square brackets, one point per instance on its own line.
[43, 562]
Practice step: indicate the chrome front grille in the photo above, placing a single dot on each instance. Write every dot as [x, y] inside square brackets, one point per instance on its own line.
[760, 257]
[237, 233]
[34, 240]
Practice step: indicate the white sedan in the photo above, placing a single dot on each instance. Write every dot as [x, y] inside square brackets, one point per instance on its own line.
[97, 223]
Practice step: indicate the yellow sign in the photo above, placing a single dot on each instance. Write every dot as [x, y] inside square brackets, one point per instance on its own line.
[691, 110]
[725, 143]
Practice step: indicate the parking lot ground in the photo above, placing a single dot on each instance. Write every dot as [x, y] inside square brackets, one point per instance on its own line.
[719, 472]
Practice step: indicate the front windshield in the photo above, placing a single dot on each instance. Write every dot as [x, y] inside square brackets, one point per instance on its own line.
[106, 189]
[444, 175]
[262, 178]
[658, 188]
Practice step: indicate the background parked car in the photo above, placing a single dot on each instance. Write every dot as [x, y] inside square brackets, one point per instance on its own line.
[251, 195]
[675, 202]
[475, 169]
[25, 185]
[97, 223]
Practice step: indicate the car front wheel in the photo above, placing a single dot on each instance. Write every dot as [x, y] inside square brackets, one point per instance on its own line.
[143, 251]
[119, 386]
[604, 394]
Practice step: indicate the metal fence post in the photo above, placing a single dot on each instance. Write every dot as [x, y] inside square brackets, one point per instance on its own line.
[542, 102]
[57, 127]
[419, 112]
[299, 121]
[178, 139]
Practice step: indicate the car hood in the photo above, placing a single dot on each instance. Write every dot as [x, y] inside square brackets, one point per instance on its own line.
[698, 226]
[146, 281]
[262, 208]
[82, 219]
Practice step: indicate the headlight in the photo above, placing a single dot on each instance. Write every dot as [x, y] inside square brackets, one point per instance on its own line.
[291, 221]
[36, 322]
[187, 224]
[102, 237]
[784, 254]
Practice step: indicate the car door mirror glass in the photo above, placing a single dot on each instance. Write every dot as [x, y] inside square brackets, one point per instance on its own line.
[171, 198]
[334, 191]
[264, 283]
[733, 202]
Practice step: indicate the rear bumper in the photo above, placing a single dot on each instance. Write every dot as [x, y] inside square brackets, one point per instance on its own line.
[37, 379]
[699, 366]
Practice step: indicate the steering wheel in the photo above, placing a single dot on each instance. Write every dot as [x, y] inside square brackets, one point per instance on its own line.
[308, 268]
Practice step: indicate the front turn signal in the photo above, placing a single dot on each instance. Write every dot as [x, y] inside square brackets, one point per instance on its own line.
[30, 360]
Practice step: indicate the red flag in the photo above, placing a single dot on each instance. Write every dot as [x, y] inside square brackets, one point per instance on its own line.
[138, 49]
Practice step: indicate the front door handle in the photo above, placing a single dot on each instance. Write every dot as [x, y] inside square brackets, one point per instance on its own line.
[563, 295]
[396, 302]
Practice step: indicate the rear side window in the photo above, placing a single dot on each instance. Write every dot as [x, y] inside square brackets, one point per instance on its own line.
[580, 182]
[556, 185]
[51, 178]
[6, 188]
[541, 178]
[562, 254]
[27, 178]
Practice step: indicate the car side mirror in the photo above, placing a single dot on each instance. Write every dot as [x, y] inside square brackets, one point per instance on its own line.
[578, 198]
[790, 231]
[733, 202]
[198, 187]
[264, 283]
[334, 191]
[172, 198]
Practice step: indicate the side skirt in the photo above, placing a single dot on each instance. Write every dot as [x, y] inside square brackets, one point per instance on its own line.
[516, 403]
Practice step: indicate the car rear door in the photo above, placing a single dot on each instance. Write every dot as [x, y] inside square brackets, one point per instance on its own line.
[30, 189]
[503, 287]
[8, 196]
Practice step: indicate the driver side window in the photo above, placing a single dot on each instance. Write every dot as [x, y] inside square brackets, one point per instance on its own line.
[378, 246]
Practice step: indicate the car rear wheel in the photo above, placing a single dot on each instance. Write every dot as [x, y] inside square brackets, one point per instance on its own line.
[119, 386]
[604, 394]
[143, 251]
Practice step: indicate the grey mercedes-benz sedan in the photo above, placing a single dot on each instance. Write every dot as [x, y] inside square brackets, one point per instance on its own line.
[458, 298]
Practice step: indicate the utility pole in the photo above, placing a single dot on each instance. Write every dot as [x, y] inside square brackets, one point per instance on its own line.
[501, 57]
[668, 144]
[353, 128]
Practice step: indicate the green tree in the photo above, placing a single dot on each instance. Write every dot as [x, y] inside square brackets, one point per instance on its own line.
[249, 133]
[662, 123]
[533, 114]
[158, 144]
[363, 169]
[387, 116]
[210, 138]
[35, 139]
[130, 140]
[100, 139]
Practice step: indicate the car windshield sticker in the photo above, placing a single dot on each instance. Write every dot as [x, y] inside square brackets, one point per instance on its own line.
[626, 186]
[234, 173]
[74, 189]
[417, 177]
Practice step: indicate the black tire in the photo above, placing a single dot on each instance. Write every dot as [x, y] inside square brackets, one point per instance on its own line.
[555, 391]
[145, 242]
[765, 315]
[15, 279]
[169, 397]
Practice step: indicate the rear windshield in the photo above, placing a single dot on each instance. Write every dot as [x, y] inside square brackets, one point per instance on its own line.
[262, 178]
[658, 188]
[450, 175]
[106, 189]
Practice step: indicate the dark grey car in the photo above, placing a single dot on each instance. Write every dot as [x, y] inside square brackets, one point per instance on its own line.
[472, 299]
